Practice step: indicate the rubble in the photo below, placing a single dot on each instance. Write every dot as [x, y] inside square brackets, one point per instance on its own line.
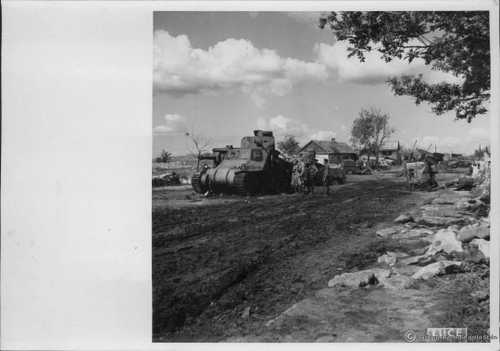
[404, 218]
[436, 268]
[445, 240]
[436, 221]
[422, 233]
[471, 231]
[390, 258]
[360, 278]
[387, 232]
[483, 246]
[397, 282]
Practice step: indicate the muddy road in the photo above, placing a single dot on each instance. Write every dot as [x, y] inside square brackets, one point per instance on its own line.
[214, 263]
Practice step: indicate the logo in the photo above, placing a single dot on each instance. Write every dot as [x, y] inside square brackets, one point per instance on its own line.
[410, 335]
[447, 334]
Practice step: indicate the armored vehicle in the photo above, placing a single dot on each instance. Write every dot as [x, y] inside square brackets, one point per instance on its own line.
[256, 167]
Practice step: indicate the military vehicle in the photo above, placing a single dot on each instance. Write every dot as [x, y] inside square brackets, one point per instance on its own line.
[256, 167]
[166, 179]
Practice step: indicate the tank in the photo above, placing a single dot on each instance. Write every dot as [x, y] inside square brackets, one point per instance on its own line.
[256, 167]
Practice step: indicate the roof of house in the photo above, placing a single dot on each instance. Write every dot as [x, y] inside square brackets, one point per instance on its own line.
[390, 145]
[331, 147]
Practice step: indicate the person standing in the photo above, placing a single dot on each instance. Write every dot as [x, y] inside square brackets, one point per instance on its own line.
[325, 176]
[309, 174]
[296, 176]
[431, 173]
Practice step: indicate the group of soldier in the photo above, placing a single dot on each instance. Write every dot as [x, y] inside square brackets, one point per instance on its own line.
[304, 174]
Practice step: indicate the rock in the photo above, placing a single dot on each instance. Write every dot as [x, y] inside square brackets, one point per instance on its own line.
[414, 233]
[403, 218]
[387, 232]
[397, 282]
[413, 259]
[246, 313]
[436, 268]
[470, 205]
[483, 246]
[445, 240]
[387, 259]
[397, 254]
[436, 221]
[439, 211]
[360, 278]
[469, 232]
[391, 257]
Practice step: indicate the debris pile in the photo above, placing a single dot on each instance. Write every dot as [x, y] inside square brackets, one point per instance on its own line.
[452, 231]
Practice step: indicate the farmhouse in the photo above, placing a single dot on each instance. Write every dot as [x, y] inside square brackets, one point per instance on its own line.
[332, 150]
[391, 149]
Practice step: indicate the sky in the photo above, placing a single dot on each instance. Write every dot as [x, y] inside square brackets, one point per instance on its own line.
[221, 75]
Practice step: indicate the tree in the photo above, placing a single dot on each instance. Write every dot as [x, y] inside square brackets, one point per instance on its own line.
[200, 145]
[454, 41]
[370, 130]
[165, 157]
[479, 153]
[289, 145]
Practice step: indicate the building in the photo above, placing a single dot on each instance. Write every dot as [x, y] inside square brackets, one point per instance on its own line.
[391, 149]
[332, 150]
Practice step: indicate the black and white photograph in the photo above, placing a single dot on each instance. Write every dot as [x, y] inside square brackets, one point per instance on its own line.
[204, 175]
[321, 176]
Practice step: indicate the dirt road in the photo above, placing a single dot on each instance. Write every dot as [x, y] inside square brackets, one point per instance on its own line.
[213, 264]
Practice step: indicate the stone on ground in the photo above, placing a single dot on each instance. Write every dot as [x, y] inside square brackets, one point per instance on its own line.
[436, 221]
[415, 233]
[483, 246]
[440, 211]
[445, 240]
[404, 218]
[397, 282]
[436, 268]
[387, 232]
[391, 257]
[471, 231]
[360, 278]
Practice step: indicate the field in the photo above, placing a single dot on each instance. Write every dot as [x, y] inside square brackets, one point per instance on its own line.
[225, 268]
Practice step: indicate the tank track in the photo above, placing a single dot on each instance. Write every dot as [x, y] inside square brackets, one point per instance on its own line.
[196, 183]
[241, 184]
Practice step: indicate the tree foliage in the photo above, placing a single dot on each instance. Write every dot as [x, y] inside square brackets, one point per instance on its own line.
[481, 151]
[456, 42]
[370, 130]
[165, 157]
[289, 145]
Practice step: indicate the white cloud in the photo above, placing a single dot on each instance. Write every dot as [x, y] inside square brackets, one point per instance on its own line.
[323, 135]
[172, 123]
[374, 70]
[282, 126]
[236, 64]
[230, 64]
